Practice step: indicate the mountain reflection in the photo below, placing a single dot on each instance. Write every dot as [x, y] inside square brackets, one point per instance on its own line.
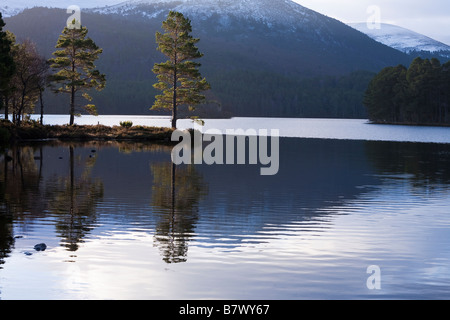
[176, 193]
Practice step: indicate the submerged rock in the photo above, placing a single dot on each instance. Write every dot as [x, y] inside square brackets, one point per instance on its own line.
[40, 247]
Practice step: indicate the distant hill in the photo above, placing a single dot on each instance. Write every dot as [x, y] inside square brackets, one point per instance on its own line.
[405, 40]
[262, 58]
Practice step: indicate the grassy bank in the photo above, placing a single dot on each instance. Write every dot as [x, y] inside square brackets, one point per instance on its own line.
[34, 131]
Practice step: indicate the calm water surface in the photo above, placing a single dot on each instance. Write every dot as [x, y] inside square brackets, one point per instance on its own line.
[120, 223]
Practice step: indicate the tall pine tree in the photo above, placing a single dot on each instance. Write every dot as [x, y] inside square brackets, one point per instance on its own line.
[7, 65]
[74, 66]
[179, 77]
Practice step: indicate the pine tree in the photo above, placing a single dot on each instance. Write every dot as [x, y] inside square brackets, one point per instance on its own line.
[74, 66]
[386, 96]
[7, 65]
[179, 78]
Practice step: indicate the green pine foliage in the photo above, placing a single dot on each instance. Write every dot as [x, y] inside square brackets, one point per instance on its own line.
[179, 78]
[75, 71]
[419, 94]
[7, 65]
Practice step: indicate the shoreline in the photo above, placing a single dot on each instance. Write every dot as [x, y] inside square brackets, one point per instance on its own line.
[410, 124]
[10, 133]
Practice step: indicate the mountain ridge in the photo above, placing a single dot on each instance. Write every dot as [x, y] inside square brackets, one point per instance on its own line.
[262, 10]
[403, 39]
[396, 37]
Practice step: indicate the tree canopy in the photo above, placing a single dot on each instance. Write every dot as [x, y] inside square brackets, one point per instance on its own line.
[28, 81]
[7, 65]
[419, 94]
[74, 66]
[179, 77]
[23, 79]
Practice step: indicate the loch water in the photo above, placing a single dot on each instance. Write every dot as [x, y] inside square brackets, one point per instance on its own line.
[120, 221]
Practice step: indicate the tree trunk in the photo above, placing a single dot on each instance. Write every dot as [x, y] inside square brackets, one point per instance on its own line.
[42, 106]
[72, 106]
[174, 102]
[72, 94]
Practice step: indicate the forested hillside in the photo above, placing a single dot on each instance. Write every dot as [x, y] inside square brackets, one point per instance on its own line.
[253, 70]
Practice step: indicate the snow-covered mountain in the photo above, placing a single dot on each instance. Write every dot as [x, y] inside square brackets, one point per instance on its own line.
[267, 11]
[262, 10]
[403, 39]
[10, 8]
[279, 31]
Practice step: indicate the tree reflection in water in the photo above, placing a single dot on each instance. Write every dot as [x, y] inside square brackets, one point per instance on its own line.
[176, 193]
[73, 199]
[36, 184]
[19, 186]
[69, 198]
[424, 164]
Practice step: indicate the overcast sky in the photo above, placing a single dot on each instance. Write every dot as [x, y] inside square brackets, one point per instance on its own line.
[430, 17]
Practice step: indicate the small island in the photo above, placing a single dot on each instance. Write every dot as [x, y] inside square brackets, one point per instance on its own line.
[418, 95]
[35, 131]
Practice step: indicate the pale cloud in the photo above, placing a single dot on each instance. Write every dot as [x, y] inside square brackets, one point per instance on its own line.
[431, 17]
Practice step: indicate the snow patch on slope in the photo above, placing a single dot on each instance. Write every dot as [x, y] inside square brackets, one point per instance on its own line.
[267, 11]
[10, 8]
[401, 39]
